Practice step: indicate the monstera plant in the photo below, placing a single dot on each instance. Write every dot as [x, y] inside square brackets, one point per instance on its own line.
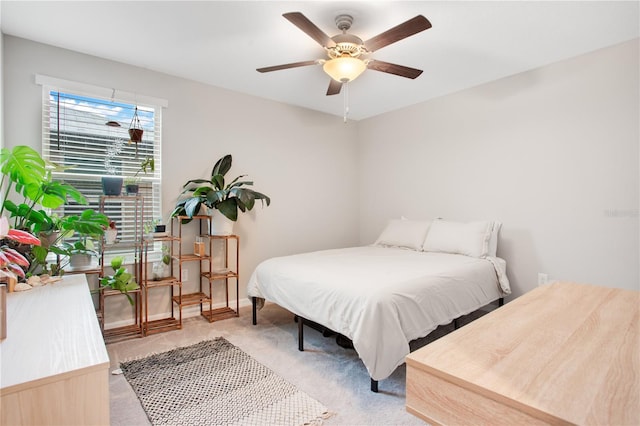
[27, 179]
[228, 197]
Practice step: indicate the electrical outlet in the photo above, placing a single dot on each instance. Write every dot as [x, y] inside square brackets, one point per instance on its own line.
[185, 275]
[543, 278]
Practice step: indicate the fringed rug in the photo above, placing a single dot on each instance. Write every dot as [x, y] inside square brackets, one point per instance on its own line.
[215, 383]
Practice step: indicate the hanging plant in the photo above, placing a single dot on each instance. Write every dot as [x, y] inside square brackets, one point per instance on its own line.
[135, 130]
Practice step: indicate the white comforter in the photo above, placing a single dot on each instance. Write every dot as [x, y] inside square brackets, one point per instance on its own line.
[379, 297]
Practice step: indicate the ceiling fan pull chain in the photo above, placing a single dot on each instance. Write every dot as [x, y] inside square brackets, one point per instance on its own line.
[346, 100]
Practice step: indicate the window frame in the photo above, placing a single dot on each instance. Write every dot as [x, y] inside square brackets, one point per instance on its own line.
[151, 183]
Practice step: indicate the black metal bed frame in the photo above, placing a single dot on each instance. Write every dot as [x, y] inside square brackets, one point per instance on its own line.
[301, 320]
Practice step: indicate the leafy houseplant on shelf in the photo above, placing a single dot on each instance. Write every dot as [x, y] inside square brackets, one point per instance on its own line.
[162, 269]
[26, 175]
[132, 183]
[87, 227]
[225, 199]
[121, 280]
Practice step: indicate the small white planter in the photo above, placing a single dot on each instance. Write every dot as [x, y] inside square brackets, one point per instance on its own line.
[80, 261]
[110, 236]
[220, 224]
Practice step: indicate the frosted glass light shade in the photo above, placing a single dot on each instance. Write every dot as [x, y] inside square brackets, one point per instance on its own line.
[344, 69]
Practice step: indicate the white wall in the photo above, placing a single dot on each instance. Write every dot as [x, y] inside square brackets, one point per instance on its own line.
[552, 153]
[302, 159]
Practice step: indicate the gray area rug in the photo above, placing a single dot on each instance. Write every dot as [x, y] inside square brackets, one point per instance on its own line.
[215, 383]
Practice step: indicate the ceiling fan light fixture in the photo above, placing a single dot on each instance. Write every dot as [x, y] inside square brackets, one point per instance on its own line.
[344, 69]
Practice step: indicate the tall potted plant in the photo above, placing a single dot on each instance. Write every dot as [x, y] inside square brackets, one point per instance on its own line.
[225, 199]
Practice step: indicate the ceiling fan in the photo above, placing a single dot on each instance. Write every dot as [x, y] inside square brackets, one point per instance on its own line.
[344, 51]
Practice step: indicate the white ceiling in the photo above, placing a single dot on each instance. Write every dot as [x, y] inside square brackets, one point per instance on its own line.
[222, 43]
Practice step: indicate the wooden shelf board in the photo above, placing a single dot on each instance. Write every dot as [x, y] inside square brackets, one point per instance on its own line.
[161, 325]
[111, 292]
[220, 314]
[164, 282]
[215, 276]
[190, 257]
[192, 299]
[121, 333]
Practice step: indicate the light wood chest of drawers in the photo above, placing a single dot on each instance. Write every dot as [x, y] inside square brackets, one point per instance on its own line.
[563, 353]
[54, 364]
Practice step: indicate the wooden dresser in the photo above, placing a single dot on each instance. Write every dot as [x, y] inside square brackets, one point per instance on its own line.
[54, 367]
[563, 353]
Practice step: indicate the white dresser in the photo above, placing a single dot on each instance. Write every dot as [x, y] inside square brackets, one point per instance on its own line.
[54, 367]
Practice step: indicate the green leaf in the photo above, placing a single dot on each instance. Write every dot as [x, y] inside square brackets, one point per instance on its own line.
[218, 181]
[222, 166]
[214, 197]
[116, 262]
[192, 206]
[23, 165]
[229, 208]
[238, 185]
[196, 181]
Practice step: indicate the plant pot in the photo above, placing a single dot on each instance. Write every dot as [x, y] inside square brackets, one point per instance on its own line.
[48, 238]
[132, 188]
[111, 185]
[136, 135]
[110, 236]
[160, 228]
[80, 261]
[220, 224]
[160, 270]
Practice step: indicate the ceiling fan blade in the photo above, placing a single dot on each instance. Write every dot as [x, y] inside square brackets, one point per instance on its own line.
[286, 66]
[334, 87]
[397, 33]
[301, 21]
[400, 70]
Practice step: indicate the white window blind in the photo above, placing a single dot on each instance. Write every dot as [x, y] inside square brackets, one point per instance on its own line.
[77, 137]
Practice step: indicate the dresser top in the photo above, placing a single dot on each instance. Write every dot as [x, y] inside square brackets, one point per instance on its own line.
[51, 330]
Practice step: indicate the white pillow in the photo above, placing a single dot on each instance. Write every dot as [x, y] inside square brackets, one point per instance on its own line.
[493, 241]
[404, 233]
[471, 239]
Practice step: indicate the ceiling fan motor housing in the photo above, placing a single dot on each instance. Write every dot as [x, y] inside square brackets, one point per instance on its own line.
[346, 45]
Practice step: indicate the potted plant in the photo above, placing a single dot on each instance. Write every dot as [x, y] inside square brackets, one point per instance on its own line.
[135, 128]
[26, 175]
[225, 199]
[87, 227]
[111, 233]
[132, 183]
[161, 268]
[159, 227]
[121, 280]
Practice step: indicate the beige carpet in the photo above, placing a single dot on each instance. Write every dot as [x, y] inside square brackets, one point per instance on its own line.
[332, 375]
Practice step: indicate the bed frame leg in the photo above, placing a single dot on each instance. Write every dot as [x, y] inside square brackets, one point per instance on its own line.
[300, 334]
[374, 386]
[254, 310]
[501, 301]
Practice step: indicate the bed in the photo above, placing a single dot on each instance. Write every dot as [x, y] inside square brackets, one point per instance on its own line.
[387, 294]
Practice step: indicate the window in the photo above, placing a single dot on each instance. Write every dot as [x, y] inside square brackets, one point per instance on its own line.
[88, 136]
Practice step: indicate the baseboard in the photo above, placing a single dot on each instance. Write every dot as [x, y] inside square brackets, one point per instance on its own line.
[188, 312]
